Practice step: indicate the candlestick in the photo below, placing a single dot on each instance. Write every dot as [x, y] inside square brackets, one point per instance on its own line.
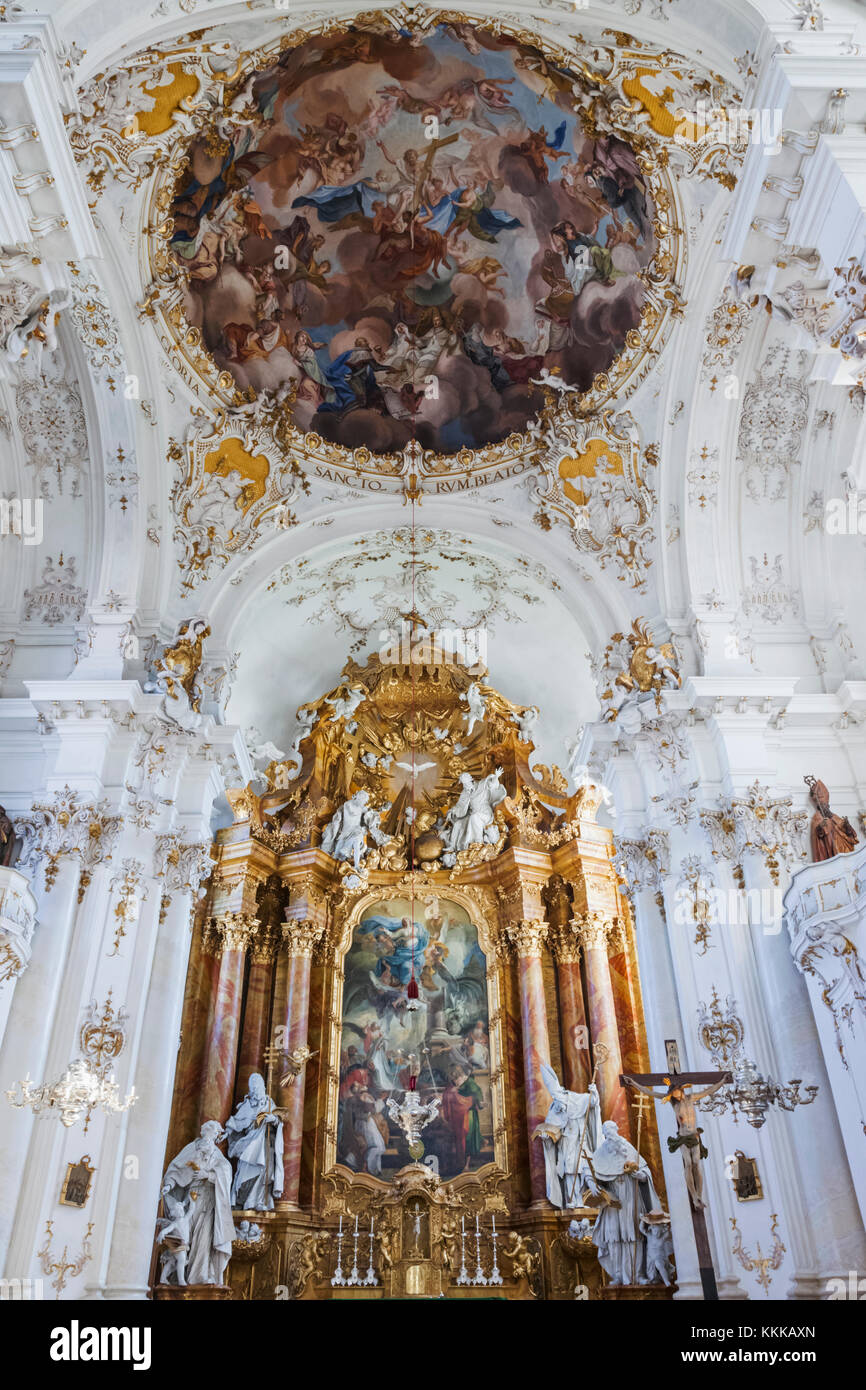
[479, 1272]
[338, 1278]
[354, 1277]
[371, 1273]
[463, 1276]
[495, 1276]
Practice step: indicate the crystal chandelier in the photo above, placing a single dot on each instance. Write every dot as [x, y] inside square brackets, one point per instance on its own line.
[79, 1091]
[750, 1094]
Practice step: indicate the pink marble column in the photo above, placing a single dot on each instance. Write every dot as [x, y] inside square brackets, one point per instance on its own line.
[528, 940]
[235, 929]
[299, 942]
[593, 930]
[257, 1008]
[572, 1014]
[201, 982]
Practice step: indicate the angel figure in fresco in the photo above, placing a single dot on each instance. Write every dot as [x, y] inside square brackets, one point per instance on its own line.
[476, 101]
[481, 165]
[485, 269]
[536, 148]
[473, 212]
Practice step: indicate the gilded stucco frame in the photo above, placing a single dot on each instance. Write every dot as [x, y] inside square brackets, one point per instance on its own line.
[483, 917]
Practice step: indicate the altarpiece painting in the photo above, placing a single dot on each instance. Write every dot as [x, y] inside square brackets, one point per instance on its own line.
[447, 1035]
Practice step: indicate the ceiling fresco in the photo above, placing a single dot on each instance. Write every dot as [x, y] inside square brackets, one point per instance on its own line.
[399, 233]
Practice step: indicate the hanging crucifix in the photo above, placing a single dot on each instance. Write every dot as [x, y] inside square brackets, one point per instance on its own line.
[680, 1094]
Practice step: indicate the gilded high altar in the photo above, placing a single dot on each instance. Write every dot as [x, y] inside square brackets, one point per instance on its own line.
[265, 982]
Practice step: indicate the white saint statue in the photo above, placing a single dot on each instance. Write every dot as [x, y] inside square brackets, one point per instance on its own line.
[255, 1133]
[200, 1180]
[571, 1131]
[471, 820]
[345, 835]
[475, 701]
[619, 1172]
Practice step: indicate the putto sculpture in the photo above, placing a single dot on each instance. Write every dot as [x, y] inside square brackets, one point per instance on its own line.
[635, 668]
[176, 673]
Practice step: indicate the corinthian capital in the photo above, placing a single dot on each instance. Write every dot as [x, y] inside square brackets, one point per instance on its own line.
[302, 938]
[236, 930]
[527, 937]
[565, 944]
[593, 930]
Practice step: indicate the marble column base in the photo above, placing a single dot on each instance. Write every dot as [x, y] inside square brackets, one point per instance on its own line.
[173, 1293]
[812, 1287]
[689, 1291]
[643, 1293]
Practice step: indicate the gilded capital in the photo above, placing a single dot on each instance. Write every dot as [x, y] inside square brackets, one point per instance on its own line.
[236, 930]
[565, 943]
[593, 930]
[263, 948]
[302, 938]
[528, 936]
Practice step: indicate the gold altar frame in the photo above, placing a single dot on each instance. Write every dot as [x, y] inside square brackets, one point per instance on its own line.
[483, 917]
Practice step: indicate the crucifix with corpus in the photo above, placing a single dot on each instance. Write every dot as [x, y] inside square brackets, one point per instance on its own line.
[680, 1094]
